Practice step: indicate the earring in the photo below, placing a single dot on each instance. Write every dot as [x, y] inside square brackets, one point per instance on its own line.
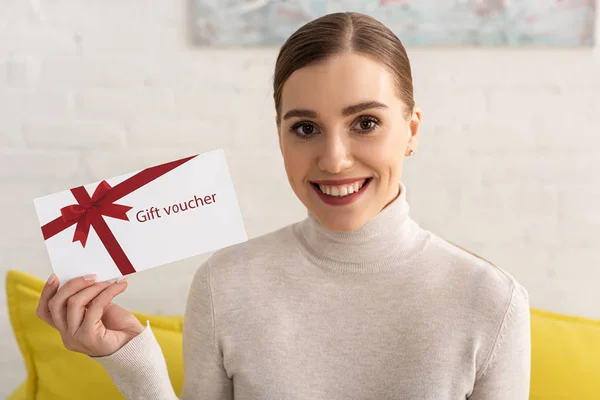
[411, 152]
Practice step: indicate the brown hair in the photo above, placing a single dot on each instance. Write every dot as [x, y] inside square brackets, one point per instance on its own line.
[336, 33]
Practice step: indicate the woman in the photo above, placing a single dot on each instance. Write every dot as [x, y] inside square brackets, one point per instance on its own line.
[356, 301]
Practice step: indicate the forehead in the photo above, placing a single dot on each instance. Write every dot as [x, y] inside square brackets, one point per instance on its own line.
[338, 82]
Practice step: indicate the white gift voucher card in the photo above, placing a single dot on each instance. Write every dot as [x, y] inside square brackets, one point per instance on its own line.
[142, 220]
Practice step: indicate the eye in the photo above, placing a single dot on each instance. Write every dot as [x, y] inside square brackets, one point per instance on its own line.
[366, 124]
[304, 129]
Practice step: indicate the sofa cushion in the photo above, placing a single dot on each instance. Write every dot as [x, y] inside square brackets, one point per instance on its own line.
[53, 372]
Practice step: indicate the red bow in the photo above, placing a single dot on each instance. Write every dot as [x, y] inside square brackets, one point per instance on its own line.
[87, 208]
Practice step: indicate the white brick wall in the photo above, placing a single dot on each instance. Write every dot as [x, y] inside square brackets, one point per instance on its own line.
[509, 164]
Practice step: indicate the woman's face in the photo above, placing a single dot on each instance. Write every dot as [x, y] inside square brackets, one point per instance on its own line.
[344, 135]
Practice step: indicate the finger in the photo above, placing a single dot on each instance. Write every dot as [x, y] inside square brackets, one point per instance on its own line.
[99, 303]
[50, 288]
[77, 303]
[58, 303]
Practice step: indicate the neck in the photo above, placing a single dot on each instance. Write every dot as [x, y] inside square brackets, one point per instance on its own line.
[387, 239]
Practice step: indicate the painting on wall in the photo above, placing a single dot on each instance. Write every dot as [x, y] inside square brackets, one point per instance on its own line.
[565, 23]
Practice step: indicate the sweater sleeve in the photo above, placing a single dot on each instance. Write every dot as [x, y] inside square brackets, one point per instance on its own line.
[507, 372]
[139, 369]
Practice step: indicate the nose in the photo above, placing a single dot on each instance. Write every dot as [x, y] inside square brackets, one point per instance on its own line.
[336, 155]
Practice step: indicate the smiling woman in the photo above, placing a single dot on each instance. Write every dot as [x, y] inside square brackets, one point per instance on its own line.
[360, 134]
[356, 301]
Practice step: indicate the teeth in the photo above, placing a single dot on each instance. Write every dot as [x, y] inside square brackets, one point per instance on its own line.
[342, 190]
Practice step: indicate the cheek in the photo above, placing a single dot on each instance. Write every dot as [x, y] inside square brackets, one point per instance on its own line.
[385, 155]
[296, 161]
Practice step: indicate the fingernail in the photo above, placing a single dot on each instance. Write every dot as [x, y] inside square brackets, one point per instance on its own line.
[51, 279]
[122, 279]
[90, 277]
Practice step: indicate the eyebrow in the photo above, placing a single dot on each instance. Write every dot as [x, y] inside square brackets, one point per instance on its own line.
[302, 113]
[362, 107]
[356, 108]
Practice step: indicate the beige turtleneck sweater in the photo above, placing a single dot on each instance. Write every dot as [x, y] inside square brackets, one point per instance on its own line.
[389, 311]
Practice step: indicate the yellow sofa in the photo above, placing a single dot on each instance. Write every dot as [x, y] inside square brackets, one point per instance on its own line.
[565, 353]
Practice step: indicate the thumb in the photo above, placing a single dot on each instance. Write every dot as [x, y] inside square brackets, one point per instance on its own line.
[99, 303]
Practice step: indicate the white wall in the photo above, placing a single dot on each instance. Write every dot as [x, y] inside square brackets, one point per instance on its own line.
[509, 164]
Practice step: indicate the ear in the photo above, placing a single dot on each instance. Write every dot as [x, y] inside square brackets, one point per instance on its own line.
[414, 129]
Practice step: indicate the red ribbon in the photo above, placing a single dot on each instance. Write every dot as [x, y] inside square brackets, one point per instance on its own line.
[90, 211]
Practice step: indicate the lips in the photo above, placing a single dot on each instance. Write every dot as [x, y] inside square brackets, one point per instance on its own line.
[341, 192]
[340, 188]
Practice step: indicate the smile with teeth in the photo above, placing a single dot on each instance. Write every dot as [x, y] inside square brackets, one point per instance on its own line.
[342, 190]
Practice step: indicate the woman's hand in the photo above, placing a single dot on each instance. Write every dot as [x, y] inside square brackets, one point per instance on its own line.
[84, 314]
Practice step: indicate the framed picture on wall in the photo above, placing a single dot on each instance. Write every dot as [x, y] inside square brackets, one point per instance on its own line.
[544, 23]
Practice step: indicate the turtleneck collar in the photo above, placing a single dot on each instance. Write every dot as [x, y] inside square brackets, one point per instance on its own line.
[388, 239]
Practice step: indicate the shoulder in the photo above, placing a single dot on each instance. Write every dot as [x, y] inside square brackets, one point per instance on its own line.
[272, 244]
[487, 293]
[491, 302]
[233, 276]
[251, 257]
[471, 271]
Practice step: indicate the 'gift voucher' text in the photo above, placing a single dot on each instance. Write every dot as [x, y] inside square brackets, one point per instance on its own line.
[153, 212]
